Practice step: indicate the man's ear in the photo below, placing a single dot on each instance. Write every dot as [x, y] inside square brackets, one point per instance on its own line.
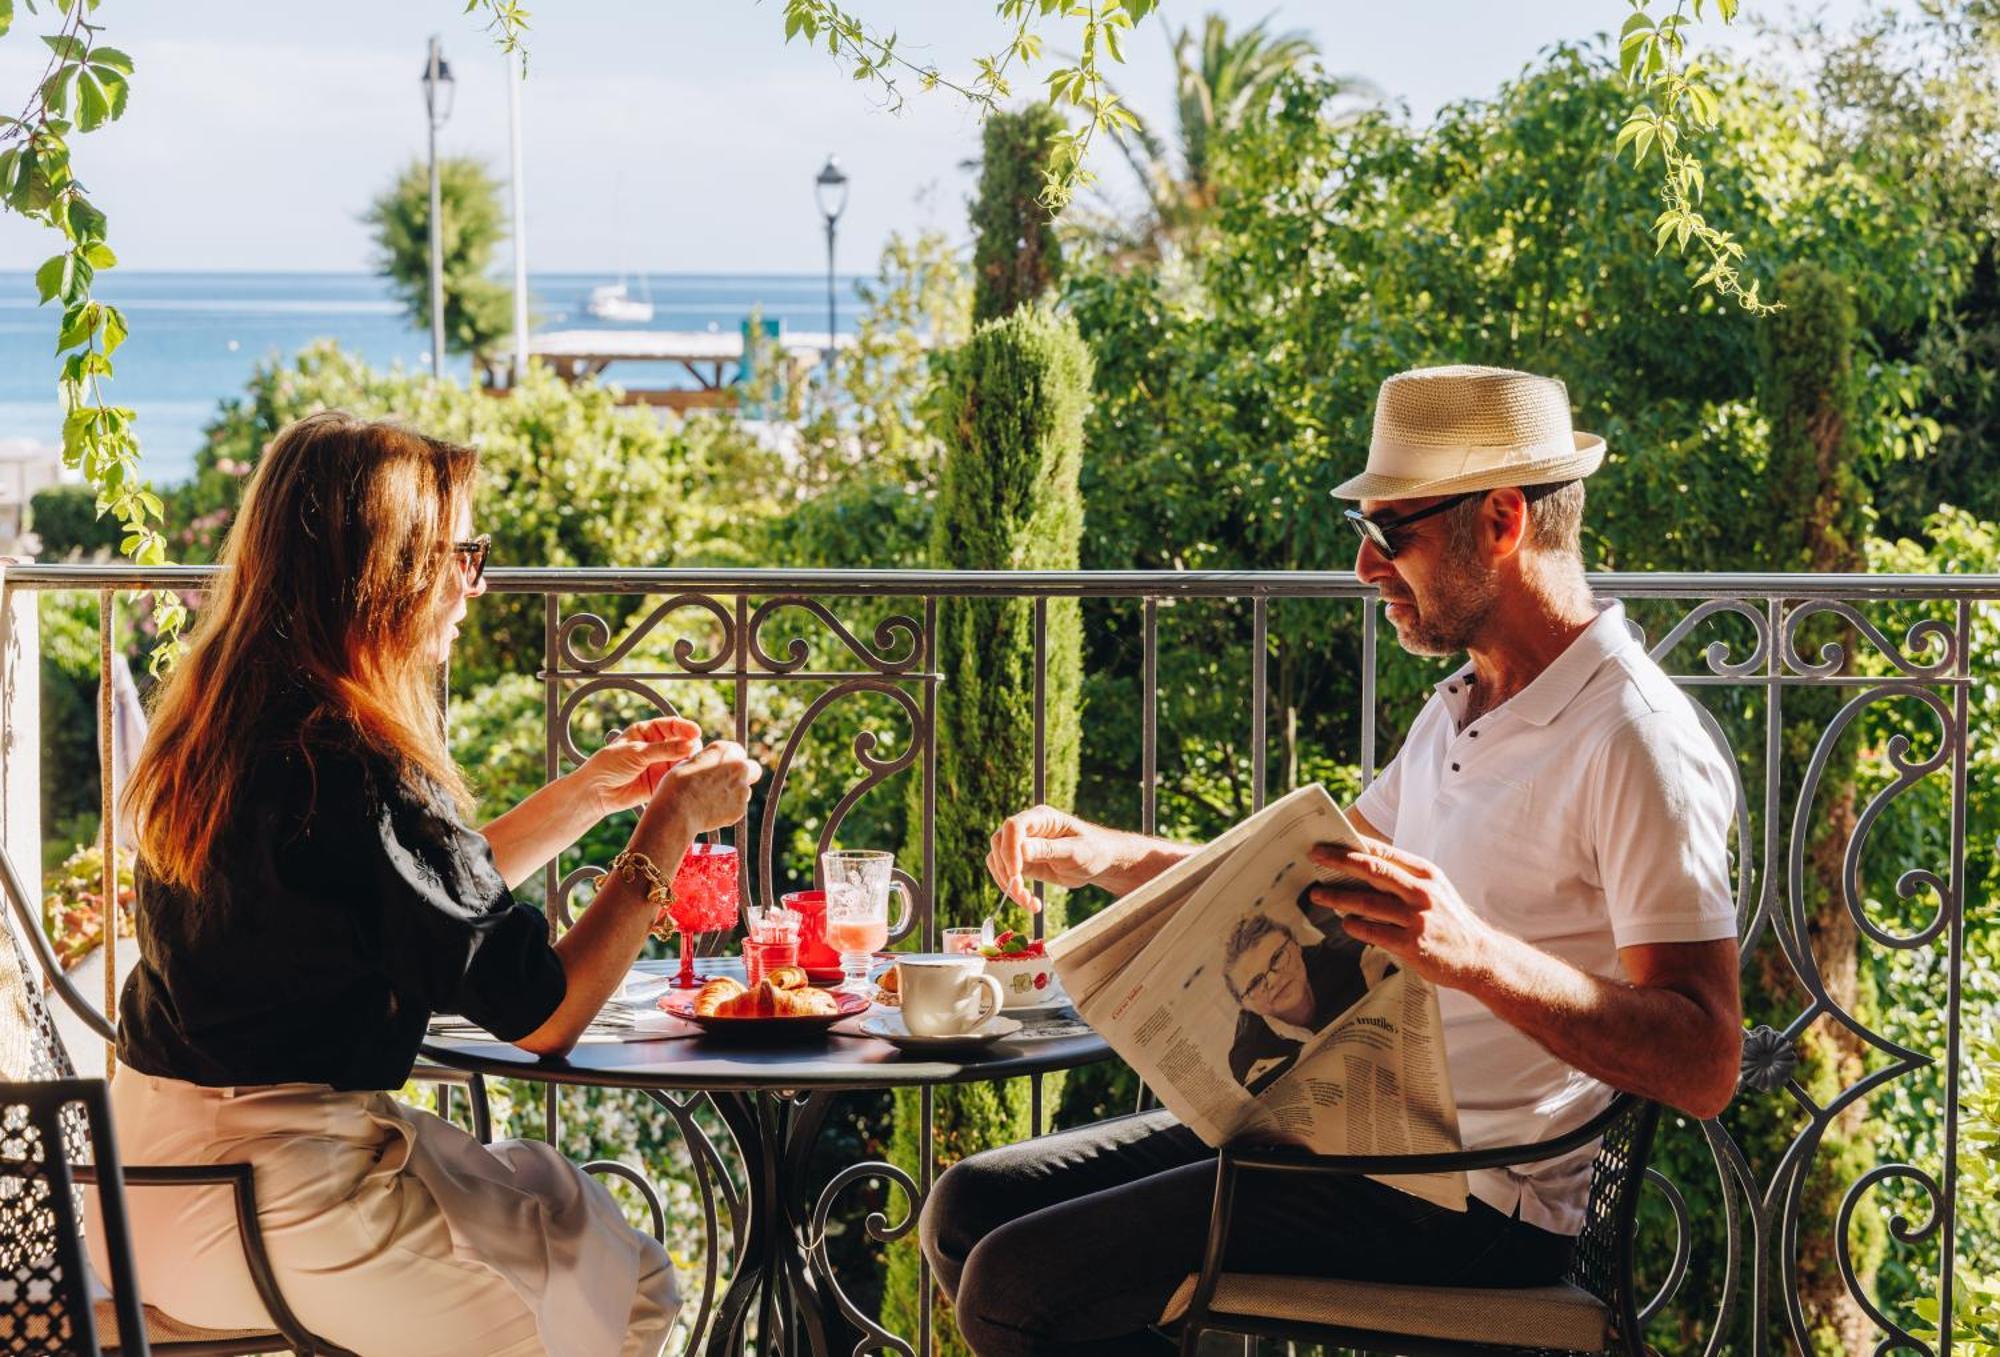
[1505, 517]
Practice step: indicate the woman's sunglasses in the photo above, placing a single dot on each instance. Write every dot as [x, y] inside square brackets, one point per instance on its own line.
[472, 557]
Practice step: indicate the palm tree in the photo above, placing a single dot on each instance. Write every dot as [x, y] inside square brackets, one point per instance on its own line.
[1223, 80]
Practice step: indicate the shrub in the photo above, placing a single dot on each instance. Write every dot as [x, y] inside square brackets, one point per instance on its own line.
[568, 477]
[1011, 414]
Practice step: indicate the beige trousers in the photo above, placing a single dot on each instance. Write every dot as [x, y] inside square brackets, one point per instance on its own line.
[392, 1233]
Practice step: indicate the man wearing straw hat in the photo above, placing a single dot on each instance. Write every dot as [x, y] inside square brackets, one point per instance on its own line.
[1548, 847]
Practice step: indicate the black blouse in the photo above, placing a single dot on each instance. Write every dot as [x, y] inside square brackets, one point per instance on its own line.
[342, 910]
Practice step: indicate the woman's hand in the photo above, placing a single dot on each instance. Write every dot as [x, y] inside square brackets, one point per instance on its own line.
[615, 778]
[710, 790]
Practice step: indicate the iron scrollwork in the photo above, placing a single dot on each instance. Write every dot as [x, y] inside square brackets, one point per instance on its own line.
[879, 1229]
[1898, 1338]
[876, 770]
[584, 633]
[718, 1194]
[1926, 635]
[898, 647]
[578, 694]
[1717, 653]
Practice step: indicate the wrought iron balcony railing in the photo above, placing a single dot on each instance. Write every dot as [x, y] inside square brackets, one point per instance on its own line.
[1876, 682]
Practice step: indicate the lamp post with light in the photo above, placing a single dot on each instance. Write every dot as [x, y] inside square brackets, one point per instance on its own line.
[831, 191]
[438, 89]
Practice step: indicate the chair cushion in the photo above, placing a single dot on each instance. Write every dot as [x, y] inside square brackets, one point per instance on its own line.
[164, 1328]
[1562, 1316]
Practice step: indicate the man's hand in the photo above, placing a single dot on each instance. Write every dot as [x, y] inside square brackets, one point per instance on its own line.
[1410, 911]
[1670, 1029]
[1046, 844]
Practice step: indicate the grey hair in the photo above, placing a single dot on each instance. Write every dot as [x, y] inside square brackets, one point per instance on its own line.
[1555, 520]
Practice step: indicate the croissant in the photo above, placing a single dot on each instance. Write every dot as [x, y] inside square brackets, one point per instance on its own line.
[714, 997]
[725, 997]
[747, 1003]
[800, 1003]
[787, 977]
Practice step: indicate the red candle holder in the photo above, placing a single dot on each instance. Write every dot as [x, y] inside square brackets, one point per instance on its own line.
[705, 900]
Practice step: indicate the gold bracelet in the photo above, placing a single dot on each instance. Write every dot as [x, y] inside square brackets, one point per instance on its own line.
[659, 890]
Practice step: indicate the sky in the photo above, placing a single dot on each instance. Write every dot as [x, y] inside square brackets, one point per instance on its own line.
[661, 136]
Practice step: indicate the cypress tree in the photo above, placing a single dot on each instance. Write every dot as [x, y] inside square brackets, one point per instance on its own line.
[1012, 406]
[1016, 258]
[1815, 519]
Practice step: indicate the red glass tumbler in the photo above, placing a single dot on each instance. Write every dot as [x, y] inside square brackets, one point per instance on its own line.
[705, 900]
[820, 960]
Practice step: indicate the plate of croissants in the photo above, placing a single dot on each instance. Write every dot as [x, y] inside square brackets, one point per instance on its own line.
[781, 1004]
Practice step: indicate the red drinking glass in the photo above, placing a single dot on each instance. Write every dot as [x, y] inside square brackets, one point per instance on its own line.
[763, 955]
[814, 954]
[705, 900]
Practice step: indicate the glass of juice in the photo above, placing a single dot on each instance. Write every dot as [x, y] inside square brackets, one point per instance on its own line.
[858, 884]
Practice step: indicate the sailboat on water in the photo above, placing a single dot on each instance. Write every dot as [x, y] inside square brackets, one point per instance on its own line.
[615, 302]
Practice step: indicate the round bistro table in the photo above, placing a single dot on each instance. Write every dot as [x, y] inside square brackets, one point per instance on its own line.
[774, 1098]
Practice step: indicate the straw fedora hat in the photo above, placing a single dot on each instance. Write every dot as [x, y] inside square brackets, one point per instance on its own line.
[1446, 430]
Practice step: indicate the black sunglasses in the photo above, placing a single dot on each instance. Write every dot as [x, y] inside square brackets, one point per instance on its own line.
[472, 556]
[1376, 530]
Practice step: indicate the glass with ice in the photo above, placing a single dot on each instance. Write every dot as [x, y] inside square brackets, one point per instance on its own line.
[770, 942]
[857, 909]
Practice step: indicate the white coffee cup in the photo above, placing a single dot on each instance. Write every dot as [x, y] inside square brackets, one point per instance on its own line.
[946, 996]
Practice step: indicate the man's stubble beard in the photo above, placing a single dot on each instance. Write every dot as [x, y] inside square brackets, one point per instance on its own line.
[1467, 593]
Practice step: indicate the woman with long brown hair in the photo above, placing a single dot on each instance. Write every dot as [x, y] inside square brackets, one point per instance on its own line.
[310, 893]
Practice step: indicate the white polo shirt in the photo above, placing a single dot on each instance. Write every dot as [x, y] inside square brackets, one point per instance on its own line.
[1588, 812]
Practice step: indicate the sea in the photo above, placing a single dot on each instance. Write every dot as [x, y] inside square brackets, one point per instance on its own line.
[197, 337]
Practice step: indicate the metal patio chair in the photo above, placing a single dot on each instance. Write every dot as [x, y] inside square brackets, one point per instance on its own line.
[1593, 1310]
[45, 1294]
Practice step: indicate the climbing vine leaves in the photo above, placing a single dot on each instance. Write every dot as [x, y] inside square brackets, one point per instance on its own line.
[1079, 86]
[85, 86]
[1676, 104]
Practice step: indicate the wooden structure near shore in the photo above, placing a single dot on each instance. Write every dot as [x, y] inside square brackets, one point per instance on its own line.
[714, 359]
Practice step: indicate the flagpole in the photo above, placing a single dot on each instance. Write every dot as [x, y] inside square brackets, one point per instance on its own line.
[516, 75]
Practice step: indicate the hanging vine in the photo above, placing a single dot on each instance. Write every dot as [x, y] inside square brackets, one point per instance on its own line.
[86, 85]
[506, 21]
[1078, 86]
[1677, 102]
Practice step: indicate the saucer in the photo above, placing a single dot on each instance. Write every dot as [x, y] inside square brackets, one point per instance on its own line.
[888, 1025]
[1054, 1004]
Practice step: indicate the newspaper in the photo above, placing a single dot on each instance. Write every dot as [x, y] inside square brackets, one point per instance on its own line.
[1254, 1016]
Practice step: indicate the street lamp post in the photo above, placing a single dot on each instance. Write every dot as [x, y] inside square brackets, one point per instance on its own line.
[831, 191]
[438, 87]
[516, 73]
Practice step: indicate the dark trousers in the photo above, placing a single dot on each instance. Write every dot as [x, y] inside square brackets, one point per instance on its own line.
[1073, 1243]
